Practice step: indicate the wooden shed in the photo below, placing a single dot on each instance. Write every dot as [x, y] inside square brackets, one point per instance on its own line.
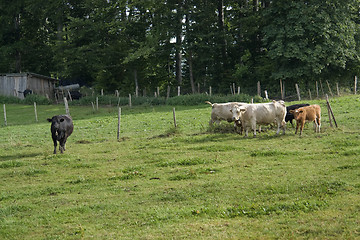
[14, 84]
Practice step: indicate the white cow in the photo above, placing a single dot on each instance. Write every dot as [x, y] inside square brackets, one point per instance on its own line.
[222, 111]
[262, 114]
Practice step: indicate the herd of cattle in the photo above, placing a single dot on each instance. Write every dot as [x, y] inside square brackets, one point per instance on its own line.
[248, 116]
[244, 115]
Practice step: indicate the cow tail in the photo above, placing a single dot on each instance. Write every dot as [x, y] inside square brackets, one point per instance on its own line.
[209, 103]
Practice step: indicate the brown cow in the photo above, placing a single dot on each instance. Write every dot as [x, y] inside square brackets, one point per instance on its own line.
[310, 113]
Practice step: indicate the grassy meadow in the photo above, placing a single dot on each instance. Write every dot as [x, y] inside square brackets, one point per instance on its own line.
[192, 182]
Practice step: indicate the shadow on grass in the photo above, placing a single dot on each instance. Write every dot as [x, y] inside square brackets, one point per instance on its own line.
[18, 156]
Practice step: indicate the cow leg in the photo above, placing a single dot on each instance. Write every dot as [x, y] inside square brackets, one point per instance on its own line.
[278, 128]
[246, 131]
[211, 122]
[283, 123]
[55, 143]
[297, 127]
[253, 126]
[62, 145]
[319, 124]
[302, 127]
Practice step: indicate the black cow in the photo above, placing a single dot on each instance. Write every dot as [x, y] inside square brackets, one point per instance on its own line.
[61, 128]
[289, 116]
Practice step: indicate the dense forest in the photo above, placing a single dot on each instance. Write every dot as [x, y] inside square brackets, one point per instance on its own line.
[118, 44]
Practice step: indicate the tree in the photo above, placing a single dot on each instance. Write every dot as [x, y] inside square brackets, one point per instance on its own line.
[308, 38]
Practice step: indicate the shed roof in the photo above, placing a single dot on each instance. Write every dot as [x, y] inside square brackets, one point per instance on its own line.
[30, 74]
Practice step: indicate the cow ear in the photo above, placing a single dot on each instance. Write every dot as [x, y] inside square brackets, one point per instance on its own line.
[49, 120]
[61, 120]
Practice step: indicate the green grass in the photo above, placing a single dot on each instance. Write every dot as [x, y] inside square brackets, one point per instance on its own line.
[192, 182]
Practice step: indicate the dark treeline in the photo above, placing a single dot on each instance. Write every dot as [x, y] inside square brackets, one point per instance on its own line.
[118, 44]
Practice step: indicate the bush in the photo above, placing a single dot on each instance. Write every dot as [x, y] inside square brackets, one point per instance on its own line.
[30, 99]
[196, 99]
[40, 100]
[9, 99]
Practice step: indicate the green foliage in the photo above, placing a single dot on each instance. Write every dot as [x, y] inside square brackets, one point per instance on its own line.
[30, 99]
[182, 100]
[304, 41]
[9, 99]
[123, 44]
[196, 99]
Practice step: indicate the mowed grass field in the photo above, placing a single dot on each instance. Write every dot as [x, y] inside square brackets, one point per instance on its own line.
[193, 182]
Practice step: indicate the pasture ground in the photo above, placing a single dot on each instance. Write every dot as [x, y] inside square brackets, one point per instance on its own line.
[193, 182]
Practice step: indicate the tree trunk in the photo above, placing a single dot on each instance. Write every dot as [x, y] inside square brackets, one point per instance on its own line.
[191, 73]
[17, 23]
[136, 83]
[222, 29]
[178, 59]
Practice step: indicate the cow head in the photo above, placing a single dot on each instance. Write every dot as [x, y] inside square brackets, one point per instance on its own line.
[55, 121]
[236, 112]
[297, 112]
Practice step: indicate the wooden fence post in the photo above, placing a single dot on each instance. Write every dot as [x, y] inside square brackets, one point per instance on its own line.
[130, 104]
[298, 91]
[310, 95]
[97, 104]
[102, 92]
[266, 95]
[93, 106]
[330, 111]
[238, 90]
[234, 88]
[327, 82]
[178, 90]
[69, 94]
[36, 117]
[258, 88]
[210, 91]
[117, 93]
[281, 90]
[66, 106]
[337, 89]
[5, 115]
[158, 91]
[174, 116]
[355, 85]
[119, 119]
[317, 89]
